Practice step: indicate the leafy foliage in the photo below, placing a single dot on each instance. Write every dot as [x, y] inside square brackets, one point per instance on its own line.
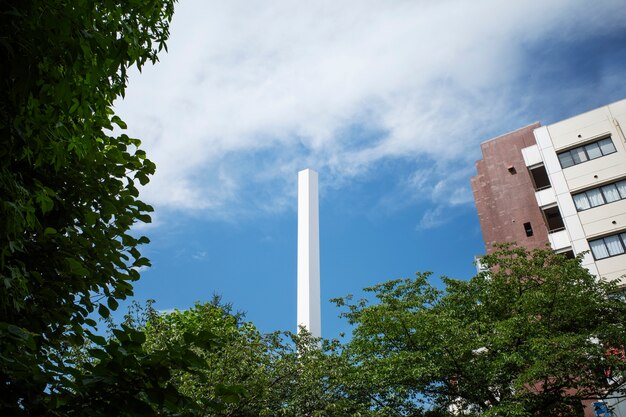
[246, 373]
[535, 336]
[120, 377]
[220, 361]
[68, 183]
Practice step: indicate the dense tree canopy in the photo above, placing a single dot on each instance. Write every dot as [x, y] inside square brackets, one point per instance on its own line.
[246, 373]
[68, 180]
[534, 336]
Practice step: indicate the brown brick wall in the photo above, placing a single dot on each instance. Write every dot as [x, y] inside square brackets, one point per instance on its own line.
[506, 200]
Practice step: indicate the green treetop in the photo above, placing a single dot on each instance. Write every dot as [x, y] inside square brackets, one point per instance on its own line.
[534, 336]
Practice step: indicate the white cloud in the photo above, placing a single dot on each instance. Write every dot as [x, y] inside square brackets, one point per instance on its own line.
[199, 255]
[432, 218]
[251, 92]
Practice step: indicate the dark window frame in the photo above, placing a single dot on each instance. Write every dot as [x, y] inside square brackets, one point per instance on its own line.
[582, 148]
[528, 228]
[549, 217]
[534, 172]
[622, 240]
[604, 199]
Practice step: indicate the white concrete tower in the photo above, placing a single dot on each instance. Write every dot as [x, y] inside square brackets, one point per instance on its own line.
[309, 314]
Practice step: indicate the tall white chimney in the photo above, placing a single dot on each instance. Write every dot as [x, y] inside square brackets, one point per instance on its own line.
[309, 315]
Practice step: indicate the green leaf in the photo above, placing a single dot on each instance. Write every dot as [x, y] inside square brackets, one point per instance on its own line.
[230, 394]
[76, 267]
[91, 322]
[119, 122]
[143, 240]
[45, 203]
[74, 106]
[99, 340]
[91, 218]
[104, 312]
[112, 303]
[141, 262]
[139, 337]
[121, 335]
[142, 177]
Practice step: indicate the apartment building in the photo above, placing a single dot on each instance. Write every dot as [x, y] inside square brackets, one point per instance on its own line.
[563, 184]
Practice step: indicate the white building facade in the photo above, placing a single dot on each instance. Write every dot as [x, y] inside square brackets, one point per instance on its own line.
[578, 168]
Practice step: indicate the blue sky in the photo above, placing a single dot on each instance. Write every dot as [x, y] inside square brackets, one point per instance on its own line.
[388, 101]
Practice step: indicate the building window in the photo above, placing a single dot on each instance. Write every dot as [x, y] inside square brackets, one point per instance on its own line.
[553, 218]
[569, 254]
[539, 175]
[608, 246]
[586, 152]
[528, 229]
[600, 195]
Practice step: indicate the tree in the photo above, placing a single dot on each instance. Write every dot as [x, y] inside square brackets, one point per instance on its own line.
[316, 380]
[67, 181]
[534, 336]
[120, 377]
[246, 373]
[228, 368]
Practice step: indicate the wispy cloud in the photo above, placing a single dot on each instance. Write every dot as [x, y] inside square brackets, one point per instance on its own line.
[200, 255]
[252, 92]
[432, 218]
